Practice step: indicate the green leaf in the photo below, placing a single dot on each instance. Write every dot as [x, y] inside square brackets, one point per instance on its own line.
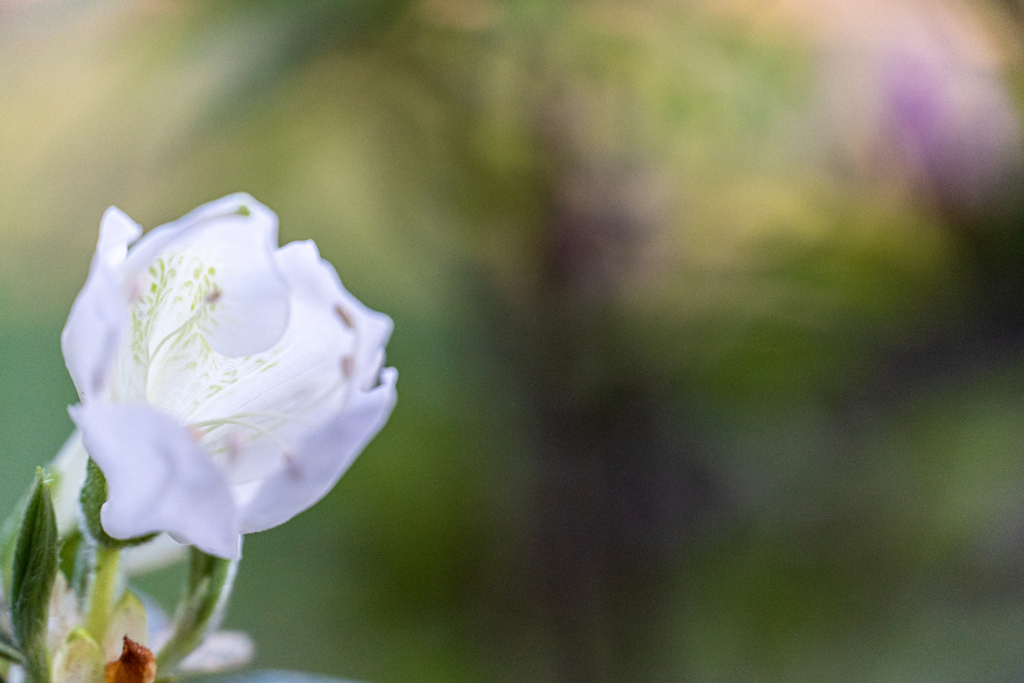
[92, 498]
[11, 526]
[10, 651]
[32, 577]
[201, 607]
[9, 540]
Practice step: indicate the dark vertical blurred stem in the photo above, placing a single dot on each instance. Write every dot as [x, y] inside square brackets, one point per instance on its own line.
[616, 494]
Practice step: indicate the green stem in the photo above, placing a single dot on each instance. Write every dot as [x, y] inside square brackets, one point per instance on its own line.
[201, 608]
[101, 592]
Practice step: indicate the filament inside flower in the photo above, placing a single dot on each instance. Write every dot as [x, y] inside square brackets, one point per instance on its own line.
[209, 300]
[213, 424]
[246, 410]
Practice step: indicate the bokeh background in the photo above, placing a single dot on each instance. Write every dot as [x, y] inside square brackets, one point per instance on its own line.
[709, 316]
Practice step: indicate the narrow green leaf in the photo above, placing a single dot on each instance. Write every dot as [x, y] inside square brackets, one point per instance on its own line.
[9, 540]
[10, 651]
[32, 578]
[12, 525]
[201, 608]
[92, 498]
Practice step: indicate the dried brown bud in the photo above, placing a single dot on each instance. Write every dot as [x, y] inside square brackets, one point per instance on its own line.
[137, 665]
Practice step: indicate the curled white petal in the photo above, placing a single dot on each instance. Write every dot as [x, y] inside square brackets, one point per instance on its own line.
[97, 321]
[316, 281]
[158, 478]
[170, 235]
[225, 251]
[322, 457]
[250, 312]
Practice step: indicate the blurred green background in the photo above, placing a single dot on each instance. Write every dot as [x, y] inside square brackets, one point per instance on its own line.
[709, 317]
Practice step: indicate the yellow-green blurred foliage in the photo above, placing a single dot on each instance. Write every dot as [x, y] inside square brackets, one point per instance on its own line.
[709, 316]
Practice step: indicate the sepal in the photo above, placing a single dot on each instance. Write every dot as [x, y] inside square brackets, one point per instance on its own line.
[9, 541]
[201, 608]
[92, 498]
[78, 660]
[33, 574]
[128, 619]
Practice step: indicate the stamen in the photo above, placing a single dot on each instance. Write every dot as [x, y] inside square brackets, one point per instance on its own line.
[346, 318]
[276, 416]
[347, 370]
[234, 447]
[209, 299]
[248, 425]
[292, 466]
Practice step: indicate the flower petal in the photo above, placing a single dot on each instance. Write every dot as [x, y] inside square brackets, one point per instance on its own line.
[221, 651]
[316, 280]
[295, 385]
[216, 261]
[321, 458]
[170, 235]
[251, 309]
[96, 324]
[158, 478]
[117, 231]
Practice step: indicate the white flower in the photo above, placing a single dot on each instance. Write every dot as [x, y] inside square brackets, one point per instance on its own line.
[226, 384]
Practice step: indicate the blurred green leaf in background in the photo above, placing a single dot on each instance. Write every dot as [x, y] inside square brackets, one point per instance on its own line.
[709, 317]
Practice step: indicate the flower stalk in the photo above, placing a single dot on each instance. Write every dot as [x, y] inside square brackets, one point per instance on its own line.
[101, 596]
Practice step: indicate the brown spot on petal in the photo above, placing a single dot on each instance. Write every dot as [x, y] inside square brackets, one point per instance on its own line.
[292, 466]
[344, 315]
[214, 296]
[137, 665]
[348, 366]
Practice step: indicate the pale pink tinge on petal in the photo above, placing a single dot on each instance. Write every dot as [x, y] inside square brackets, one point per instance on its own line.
[322, 457]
